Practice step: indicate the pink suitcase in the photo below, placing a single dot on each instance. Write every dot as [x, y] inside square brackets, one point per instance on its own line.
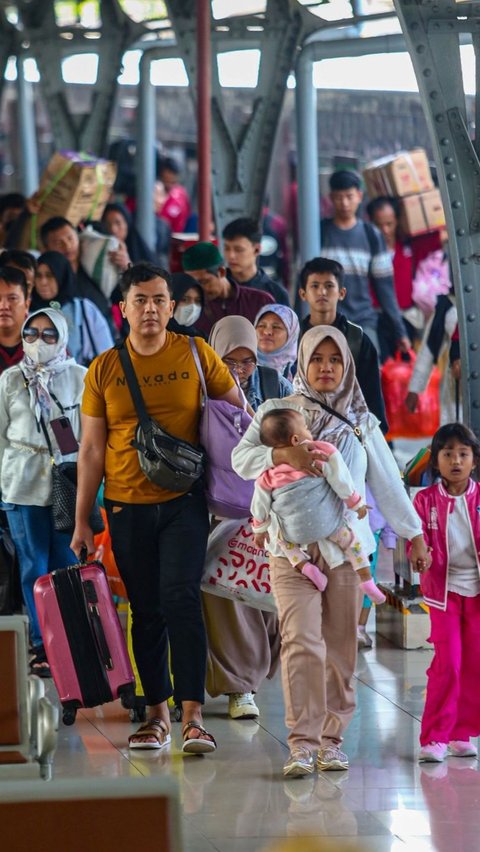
[83, 639]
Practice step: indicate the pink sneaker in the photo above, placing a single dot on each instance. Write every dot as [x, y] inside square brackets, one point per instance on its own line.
[370, 588]
[462, 748]
[318, 578]
[433, 753]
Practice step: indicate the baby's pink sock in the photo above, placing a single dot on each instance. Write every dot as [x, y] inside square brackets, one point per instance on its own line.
[314, 574]
[372, 591]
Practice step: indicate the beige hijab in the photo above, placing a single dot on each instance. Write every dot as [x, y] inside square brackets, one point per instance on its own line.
[347, 399]
[231, 333]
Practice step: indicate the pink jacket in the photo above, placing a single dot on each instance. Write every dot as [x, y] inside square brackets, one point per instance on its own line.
[434, 505]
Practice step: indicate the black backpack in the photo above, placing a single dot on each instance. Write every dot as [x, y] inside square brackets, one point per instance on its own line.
[269, 383]
[354, 335]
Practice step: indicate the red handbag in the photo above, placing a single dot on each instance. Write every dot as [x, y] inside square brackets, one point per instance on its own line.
[425, 421]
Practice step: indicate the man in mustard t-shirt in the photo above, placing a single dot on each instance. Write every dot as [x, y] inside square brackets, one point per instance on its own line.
[159, 537]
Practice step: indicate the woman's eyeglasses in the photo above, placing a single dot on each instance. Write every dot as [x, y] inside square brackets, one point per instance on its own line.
[239, 365]
[48, 335]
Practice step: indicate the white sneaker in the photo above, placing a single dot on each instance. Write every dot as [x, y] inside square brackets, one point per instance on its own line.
[433, 753]
[300, 762]
[363, 639]
[462, 748]
[241, 705]
[331, 758]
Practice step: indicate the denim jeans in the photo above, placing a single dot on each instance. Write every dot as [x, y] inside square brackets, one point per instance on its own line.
[160, 552]
[40, 549]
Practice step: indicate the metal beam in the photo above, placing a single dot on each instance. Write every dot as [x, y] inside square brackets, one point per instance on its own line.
[306, 126]
[241, 155]
[432, 35]
[117, 33]
[145, 153]
[26, 131]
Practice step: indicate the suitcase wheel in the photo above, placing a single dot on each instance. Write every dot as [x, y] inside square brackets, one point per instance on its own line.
[127, 696]
[138, 713]
[176, 713]
[69, 716]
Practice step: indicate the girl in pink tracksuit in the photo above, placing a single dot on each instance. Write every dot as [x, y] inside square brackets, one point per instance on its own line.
[450, 514]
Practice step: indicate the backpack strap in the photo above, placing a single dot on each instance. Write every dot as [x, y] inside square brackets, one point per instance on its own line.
[87, 326]
[354, 337]
[371, 236]
[269, 383]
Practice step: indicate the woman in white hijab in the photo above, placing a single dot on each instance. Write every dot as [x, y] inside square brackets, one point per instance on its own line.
[45, 386]
[319, 629]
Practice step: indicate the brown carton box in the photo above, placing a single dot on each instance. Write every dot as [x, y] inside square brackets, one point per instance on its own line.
[374, 183]
[421, 213]
[399, 175]
[412, 216]
[433, 208]
[73, 185]
[422, 169]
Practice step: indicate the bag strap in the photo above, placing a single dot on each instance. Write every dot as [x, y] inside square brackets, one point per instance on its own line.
[269, 383]
[198, 364]
[87, 326]
[371, 236]
[47, 438]
[354, 337]
[355, 429]
[133, 386]
[42, 421]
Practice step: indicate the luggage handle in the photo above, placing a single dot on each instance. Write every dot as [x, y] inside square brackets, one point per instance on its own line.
[97, 625]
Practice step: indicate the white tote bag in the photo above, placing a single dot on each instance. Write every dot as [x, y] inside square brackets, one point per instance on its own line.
[94, 248]
[235, 568]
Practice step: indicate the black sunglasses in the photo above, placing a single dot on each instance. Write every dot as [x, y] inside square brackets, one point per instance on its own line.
[48, 335]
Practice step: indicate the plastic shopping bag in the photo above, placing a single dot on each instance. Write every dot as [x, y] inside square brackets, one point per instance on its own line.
[94, 249]
[235, 568]
[425, 421]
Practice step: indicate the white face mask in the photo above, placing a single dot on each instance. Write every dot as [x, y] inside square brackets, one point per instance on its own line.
[39, 351]
[187, 314]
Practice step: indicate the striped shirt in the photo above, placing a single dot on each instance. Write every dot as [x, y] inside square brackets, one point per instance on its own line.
[351, 248]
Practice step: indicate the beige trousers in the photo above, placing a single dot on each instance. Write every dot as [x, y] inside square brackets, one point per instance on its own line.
[243, 645]
[319, 651]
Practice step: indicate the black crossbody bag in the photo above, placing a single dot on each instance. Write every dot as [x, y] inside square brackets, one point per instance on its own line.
[167, 461]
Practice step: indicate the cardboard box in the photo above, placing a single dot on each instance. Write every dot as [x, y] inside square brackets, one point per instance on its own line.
[433, 209]
[398, 175]
[74, 185]
[403, 621]
[412, 216]
[421, 213]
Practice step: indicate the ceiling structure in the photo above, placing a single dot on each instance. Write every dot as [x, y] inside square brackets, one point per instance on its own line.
[433, 31]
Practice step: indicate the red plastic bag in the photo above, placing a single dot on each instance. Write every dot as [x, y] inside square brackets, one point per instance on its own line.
[425, 421]
[108, 560]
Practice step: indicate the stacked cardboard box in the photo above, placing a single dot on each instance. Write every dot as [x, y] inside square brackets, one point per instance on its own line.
[74, 185]
[406, 175]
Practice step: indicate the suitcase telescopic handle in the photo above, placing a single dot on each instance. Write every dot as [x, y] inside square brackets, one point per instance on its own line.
[96, 622]
[101, 638]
